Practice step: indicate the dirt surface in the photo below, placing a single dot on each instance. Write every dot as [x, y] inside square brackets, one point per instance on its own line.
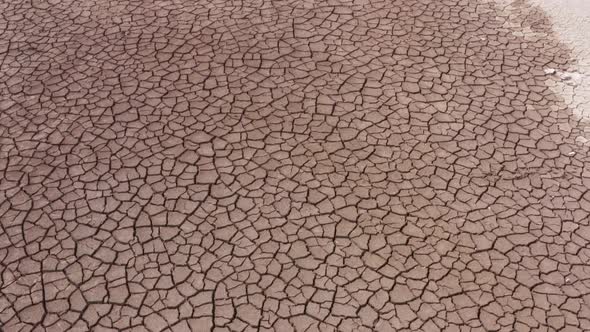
[291, 166]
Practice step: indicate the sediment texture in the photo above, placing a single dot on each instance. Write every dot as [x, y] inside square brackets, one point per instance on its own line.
[288, 165]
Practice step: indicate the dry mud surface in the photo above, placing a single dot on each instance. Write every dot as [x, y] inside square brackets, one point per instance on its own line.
[366, 165]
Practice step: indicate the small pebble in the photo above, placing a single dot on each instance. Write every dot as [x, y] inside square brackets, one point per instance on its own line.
[549, 71]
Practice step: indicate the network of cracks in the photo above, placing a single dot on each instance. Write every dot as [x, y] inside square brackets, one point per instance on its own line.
[288, 165]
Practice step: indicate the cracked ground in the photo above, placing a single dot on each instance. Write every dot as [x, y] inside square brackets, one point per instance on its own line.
[289, 165]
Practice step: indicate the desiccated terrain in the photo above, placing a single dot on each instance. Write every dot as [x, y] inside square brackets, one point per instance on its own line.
[289, 165]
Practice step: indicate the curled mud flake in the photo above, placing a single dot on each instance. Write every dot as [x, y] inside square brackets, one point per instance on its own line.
[550, 71]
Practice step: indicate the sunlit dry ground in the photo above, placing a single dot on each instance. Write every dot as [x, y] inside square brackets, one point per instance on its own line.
[396, 165]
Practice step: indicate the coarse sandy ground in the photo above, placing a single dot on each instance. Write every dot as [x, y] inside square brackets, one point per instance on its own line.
[294, 165]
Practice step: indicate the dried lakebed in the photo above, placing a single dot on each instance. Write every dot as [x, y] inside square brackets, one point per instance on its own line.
[292, 166]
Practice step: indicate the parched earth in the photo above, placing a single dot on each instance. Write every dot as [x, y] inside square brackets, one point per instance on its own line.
[289, 165]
